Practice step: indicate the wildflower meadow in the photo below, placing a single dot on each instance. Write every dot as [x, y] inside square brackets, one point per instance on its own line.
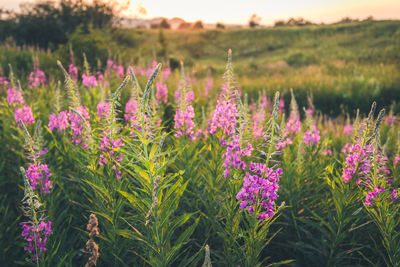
[144, 164]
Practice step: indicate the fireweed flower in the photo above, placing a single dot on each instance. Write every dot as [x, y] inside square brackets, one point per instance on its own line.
[110, 152]
[184, 122]
[73, 71]
[234, 153]
[36, 237]
[89, 80]
[390, 120]
[59, 122]
[281, 105]
[162, 93]
[3, 80]
[258, 120]
[103, 110]
[79, 136]
[396, 160]
[209, 85]
[224, 117]
[311, 136]
[260, 190]
[14, 97]
[166, 73]
[131, 113]
[24, 114]
[357, 160]
[38, 177]
[37, 78]
[348, 129]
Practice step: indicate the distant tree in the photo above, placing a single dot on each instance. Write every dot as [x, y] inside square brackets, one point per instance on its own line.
[198, 25]
[48, 23]
[184, 25]
[164, 24]
[279, 23]
[254, 21]
[220, 25]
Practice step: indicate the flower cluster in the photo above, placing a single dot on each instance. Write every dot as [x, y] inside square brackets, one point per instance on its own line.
[162, 93]
[59, 122]
[260, 190]
[25, 115]
[184, 123]
[36, 237]
[77, 125]
[234, 153]
[119, 69]
[38, 177]
[14, 97]
[37, 78]
[311, 136]
[73, 71]
[3, 80]
[357, 160]
[258, 120]
[348, 129]
[110, 147]
[103, 110]
[224, 117]
[89, 80]
[208, 87]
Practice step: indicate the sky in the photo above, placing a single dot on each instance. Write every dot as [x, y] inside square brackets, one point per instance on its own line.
[239, 11]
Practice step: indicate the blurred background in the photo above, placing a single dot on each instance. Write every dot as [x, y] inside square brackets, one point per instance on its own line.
[346, 53]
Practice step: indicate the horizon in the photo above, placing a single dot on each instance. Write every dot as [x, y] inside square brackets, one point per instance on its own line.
[317, 11]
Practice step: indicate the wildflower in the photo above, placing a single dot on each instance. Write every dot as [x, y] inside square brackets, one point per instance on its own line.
[103, 110]
[184, 122]
[36, 237]
[59, 122]
[348, 129]
[209, 85]
[311, 136]
[89, 80]
[234, 153]
[14, 97]
[24, 114]
[162, 93]
[258, 120]
[224, 117]
[3, 80]
[390, 120]
[38, 177]
[260, 191]
[131, 111]
[77, 125]
[396, 160]
[37, 78]
[109, 147]
[73, 71]
[357, 159]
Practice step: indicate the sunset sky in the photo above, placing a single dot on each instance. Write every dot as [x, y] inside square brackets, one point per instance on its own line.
[239, 11]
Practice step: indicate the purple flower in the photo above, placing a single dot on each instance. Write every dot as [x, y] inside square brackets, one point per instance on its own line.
[224, 117]
[110, 152]
[162, 93]
[36, 237]
[59, 122]
[36, 78]
[103, 110]
[89, 80]
[24, 114]
[234, 153]
[348, 129]
[258, 121]
[311, 136]
[38, 177]
[79, 136]
[260, 191]
[184, 123]
[14, 97]
[73, 71]
[390, 120]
